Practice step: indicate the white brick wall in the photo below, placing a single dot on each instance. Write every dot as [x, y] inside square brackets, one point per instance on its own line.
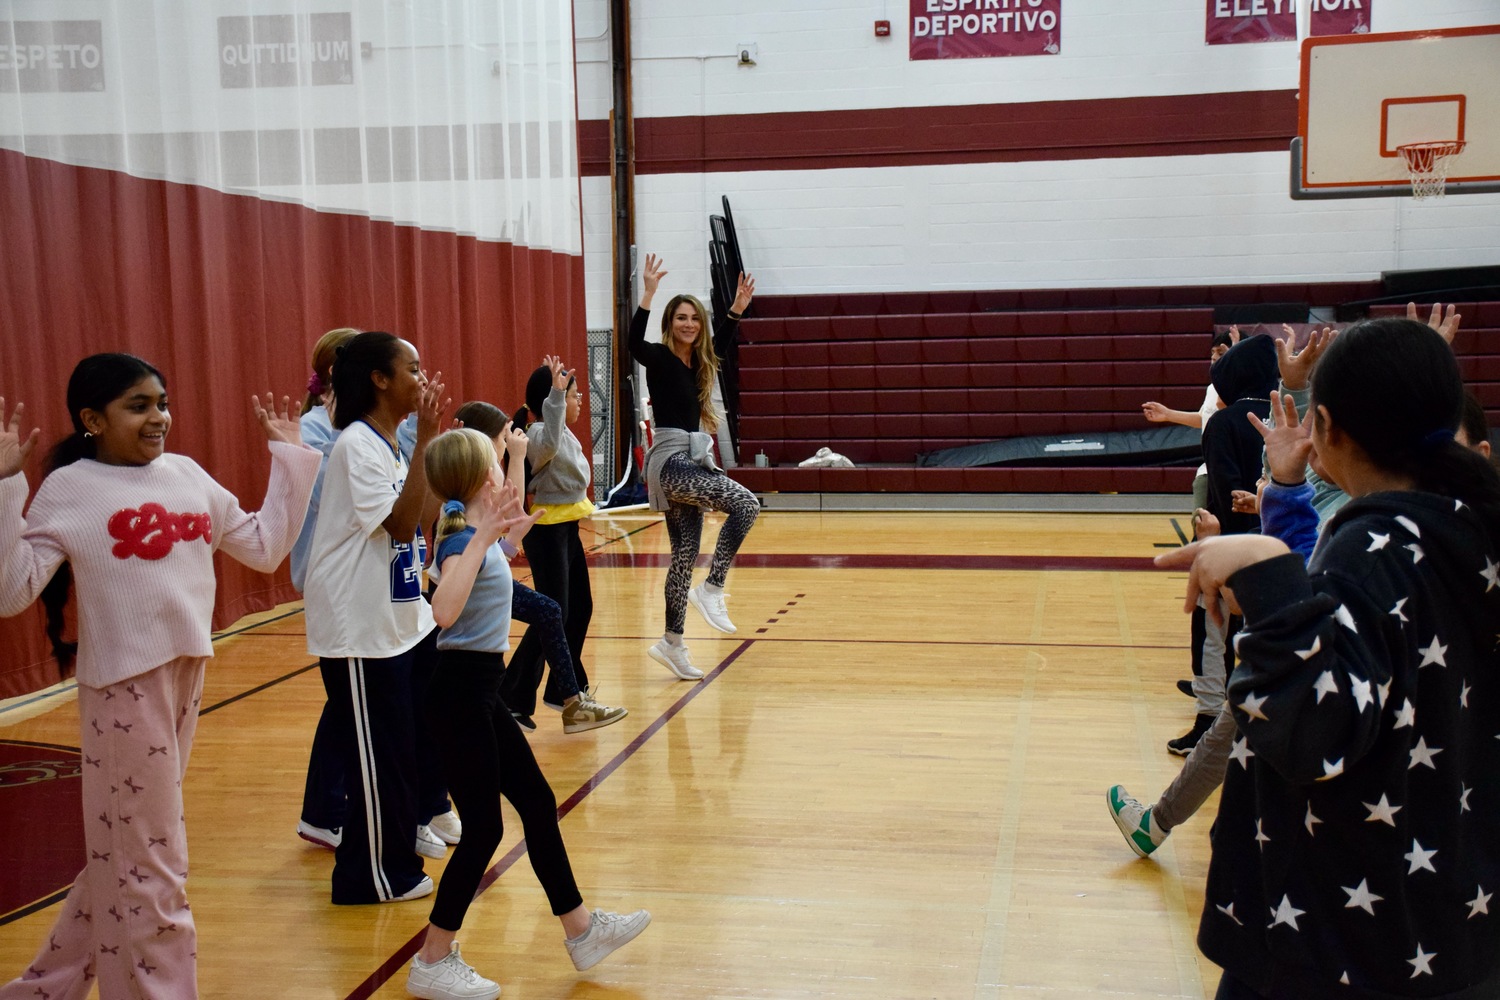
[1162, 220]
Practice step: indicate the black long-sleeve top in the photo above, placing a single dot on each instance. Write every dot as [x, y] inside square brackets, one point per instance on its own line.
[673, 385]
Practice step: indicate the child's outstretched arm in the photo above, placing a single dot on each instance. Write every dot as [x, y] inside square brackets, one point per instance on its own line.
[516, 443]
[28, 558]
[262, 540]
[543, 446]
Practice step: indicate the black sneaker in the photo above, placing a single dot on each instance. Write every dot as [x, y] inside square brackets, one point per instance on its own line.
[1183, 745]
[524, 721]
[1186, 687]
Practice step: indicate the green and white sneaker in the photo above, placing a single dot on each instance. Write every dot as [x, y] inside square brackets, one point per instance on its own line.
[1135, 822]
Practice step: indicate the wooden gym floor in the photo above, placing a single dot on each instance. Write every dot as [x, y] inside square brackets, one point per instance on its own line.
[891, 783]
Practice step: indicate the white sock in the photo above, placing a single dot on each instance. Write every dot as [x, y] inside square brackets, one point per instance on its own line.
[709, 588]
[672, 638]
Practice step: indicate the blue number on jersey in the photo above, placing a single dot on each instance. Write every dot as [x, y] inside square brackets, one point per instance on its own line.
[406, 573]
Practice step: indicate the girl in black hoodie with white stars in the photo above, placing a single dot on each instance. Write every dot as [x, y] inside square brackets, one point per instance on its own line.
[1357, 848]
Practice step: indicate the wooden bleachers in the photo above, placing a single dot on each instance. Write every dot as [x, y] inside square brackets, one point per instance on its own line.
[881, 378]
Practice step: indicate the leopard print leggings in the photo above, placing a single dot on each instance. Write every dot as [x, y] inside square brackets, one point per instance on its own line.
[691, 490]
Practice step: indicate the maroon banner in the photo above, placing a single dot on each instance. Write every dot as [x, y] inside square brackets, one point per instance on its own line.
[970, 29]
[1341, 17]
[1235, 22]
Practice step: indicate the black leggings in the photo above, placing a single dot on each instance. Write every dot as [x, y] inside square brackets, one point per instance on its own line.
[487, 756]
[692, 489]
[559, 570]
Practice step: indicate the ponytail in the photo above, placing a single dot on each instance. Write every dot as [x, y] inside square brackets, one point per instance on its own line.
[1449, 469]
[450, 522]
[55, 594]
[458, 463]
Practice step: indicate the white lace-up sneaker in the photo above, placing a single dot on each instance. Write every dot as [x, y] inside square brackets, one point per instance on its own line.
[447, 827]
[675, 658]
[317, 835]
[607, 931]
[451, 978]
[710, 604]
[429, 845]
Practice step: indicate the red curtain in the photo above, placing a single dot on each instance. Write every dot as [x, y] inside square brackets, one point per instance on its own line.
[226, 295]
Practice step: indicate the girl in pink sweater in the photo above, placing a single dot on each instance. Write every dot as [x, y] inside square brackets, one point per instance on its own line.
[137, 528]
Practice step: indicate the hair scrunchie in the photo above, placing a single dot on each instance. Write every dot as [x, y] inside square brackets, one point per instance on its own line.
[1437, 439]
[315, 386]
[453, 507]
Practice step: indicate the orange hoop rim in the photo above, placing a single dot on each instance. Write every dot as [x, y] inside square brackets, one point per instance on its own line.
[1417, 154]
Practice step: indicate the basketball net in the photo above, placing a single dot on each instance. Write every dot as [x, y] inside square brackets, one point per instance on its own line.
[1427, 162]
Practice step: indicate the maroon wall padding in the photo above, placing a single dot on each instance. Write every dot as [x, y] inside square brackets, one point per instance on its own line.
[226, 294]
[1171, 298]
[883, 387]
[1008, 479]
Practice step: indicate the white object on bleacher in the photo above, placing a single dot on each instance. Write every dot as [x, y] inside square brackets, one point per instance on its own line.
[825, 458]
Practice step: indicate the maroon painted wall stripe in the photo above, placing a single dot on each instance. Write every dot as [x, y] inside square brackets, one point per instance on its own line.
[1176, 125]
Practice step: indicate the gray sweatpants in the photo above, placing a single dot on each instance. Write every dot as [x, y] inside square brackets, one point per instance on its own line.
[1201, 773]
[1208, 688]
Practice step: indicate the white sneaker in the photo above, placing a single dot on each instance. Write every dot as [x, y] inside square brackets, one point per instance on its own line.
[429, 845]
[449, 979]
[710, 604]
[448, 827]
[675, 658]
[607, 931]
[317, 835]
[422, 888]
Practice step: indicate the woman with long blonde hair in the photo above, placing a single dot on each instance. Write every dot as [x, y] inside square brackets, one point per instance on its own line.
[681, 477]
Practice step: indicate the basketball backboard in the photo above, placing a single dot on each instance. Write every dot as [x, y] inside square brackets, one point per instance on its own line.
[1362, 96]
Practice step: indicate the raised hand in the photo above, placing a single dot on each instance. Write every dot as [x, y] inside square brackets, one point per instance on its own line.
[13, 450]
[652, 273]
[560, 375]
[485, 513]
[277, 422]
[430, 408]
[515, 441]
[517, 522]
[1445, 325]
[1213, 561]
[1296, 368]
[1155, 412]
[1234, 334]
[1289, 443]
[743, 293]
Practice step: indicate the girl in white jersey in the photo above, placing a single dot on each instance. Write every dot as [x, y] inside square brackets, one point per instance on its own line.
[366, 618]
[484, 752]
[137, 528]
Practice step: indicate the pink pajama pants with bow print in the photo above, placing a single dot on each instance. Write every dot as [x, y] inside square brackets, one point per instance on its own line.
[126, 921]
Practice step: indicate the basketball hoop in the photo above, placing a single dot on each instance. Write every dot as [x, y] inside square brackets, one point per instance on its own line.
[1427, 162]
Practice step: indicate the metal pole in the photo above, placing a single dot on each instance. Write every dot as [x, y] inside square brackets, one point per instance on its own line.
[622, 186]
